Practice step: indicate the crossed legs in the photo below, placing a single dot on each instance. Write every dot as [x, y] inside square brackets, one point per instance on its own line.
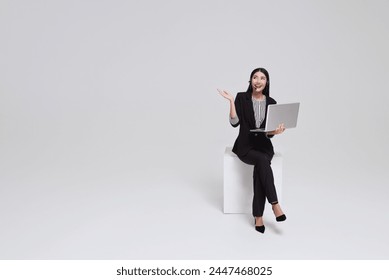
[263, 185]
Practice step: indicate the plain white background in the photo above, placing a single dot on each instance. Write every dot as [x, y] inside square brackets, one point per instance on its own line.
[112, 132]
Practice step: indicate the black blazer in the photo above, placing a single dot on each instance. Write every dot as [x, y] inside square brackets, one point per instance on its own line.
[248, 140]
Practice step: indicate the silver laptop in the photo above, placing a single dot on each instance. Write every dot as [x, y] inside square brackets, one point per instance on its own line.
[278, 114]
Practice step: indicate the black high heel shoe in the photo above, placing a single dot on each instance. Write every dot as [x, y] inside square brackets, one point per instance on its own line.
[261, 228]
[281, 218]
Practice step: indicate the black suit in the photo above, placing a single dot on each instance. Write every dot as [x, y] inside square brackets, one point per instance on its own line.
[247, 140]
[255, 149]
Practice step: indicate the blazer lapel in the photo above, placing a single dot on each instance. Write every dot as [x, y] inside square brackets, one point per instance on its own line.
[268, 102]
[250, 110]
[264, 120]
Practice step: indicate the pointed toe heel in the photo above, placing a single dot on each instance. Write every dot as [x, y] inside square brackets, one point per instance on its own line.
[261, 229]
[281, 218]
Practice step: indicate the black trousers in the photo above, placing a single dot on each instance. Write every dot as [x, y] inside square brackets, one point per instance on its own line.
[263, 180]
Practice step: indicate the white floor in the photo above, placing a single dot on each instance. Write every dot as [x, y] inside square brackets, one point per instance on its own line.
[178, 215]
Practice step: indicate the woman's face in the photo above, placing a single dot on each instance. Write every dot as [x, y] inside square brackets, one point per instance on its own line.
[258, 82]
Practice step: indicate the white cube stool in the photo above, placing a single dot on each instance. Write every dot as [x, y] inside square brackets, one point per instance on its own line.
[238, 182]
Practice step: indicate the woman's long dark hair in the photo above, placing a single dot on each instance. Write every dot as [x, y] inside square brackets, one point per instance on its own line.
[266, 90]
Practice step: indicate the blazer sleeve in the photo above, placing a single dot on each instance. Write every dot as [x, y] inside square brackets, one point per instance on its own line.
[238, 109]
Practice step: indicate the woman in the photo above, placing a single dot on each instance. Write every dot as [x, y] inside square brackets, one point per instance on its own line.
[249, 112]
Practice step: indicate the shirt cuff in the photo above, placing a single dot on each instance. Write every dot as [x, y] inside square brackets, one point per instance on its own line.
[269, 136]
[234, 121]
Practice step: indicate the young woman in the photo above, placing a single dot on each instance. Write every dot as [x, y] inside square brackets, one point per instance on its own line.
[249, 112]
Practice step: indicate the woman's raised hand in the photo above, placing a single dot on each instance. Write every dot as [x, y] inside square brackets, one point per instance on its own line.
[226, 95]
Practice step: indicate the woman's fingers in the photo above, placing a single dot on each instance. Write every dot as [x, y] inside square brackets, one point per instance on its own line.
[280, 128]
[221, 92]
[225, 94]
